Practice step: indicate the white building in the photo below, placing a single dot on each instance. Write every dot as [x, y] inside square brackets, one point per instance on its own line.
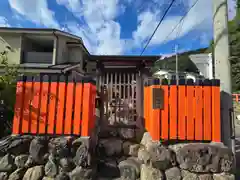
[169, 74]
[204, 64]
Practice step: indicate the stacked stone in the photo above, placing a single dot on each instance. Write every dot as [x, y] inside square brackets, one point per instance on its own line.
[37, 158]
[115, 136]
[191, 161]
[113, 147]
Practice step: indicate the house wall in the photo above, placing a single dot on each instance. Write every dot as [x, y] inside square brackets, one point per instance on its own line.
[62, 50]
[68, 53]
[19, 44]
[14, 41]
[75, 54]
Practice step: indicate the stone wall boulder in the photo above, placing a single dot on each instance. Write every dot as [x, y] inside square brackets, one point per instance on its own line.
[34, 173]
[130, 168]
[38, 149]
[205, 158]
[161, 157]
[150, 173]
[15, 145]
[49, 158]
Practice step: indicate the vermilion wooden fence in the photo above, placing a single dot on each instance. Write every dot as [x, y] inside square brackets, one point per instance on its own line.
[54, 105]
[189, 111]
[236, 97]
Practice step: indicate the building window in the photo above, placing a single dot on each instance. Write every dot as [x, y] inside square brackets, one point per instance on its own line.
[37, 49]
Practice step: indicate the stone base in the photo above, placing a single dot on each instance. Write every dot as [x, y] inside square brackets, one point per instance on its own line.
[46, 158]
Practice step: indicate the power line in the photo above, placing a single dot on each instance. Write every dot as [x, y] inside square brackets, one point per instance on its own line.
[157, 27]
[181, 20]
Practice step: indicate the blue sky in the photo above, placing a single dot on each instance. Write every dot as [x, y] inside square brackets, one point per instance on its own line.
[112, 27]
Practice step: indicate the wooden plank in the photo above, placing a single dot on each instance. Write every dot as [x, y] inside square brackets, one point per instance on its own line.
[155, 116]
[173, 109]
[207, 125]
[115, 96]
[60, 105]
[124, 96]
[190, 109]
[92, 107]
[78, 109]
[145, 106]
[199, 111]
[181, 110]
[26, 120]
[35, 105]
[128, 94]
[86, 110]
[52, 107]
[164, 112]
[44, 105]
[216, 119]
[69, 103]
[18, 110]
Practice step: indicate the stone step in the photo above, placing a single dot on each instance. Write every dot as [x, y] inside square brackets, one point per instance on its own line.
[121, 133]
[127, 126]
[108, 169]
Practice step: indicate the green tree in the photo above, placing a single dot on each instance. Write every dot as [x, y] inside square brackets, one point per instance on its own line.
[7, 90]
[234, 43]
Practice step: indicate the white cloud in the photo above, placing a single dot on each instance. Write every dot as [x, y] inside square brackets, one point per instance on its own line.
[200, 17]
[36, 11]
[4, 22]
[100, 31]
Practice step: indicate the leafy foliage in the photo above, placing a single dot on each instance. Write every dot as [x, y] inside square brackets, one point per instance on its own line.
[234, 42]
[7, 90]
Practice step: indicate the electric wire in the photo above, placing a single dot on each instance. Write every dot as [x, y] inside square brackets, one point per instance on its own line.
[180, 20]
[160, 22]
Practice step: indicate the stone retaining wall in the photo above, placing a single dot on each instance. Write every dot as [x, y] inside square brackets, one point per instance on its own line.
[191, 161]
[68, 158]
[37, 158]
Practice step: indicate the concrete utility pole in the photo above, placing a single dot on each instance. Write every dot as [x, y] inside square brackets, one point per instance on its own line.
[223, 69]
[176, 51]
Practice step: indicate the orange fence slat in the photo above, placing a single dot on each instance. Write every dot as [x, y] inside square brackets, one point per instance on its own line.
[88, 114]
[199, 111]
[173, 109]
[78, 108]
[44, 105]
[35, 105]
[18, 106]
[155, 113]
[190, 109]
[26, 119]
[86, 110]
[150, 112]
[147, 105]
[93, 107]
[60, 104]
[164, 112]
[207, 125]
[52, 105]
[181, 110]
[216, 121]
[69, 108]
